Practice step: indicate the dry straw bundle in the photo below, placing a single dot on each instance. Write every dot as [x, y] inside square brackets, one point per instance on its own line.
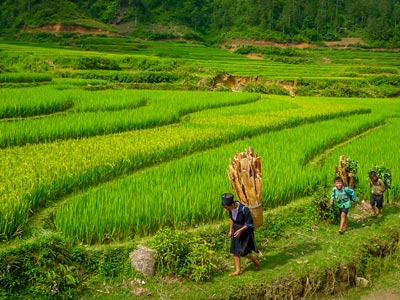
[244, 172]
[347, 170]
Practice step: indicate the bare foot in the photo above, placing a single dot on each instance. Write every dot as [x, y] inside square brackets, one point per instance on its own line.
[236, 273]
[256, 262]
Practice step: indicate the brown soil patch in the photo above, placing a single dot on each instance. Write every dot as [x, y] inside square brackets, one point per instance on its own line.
[345, 42]
[56, 28]
[254, 56]
[326, 60]
[381, 295]
[236, 83]
[363, 210]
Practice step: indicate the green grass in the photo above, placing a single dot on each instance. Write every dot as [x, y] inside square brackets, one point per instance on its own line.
[286, 132]
[147, 206]
[81, 163]
[321, 63]
[373, 149]
[106, 112]
[301, 251]
[24, 78]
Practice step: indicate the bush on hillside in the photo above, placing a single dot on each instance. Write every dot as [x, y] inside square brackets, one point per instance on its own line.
[96, 63]
[247, 49]
[50, 268]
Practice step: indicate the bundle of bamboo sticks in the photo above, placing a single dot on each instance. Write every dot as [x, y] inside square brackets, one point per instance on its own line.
[244, 172]
[342, 171]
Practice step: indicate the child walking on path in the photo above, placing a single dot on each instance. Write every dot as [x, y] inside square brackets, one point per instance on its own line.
[241, 232]
[378, 187]
[343, 197]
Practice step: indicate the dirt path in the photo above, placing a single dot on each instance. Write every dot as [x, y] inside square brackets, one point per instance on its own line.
[382, 295]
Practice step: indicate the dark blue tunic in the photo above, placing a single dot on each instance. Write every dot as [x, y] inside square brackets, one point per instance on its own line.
[244, 244]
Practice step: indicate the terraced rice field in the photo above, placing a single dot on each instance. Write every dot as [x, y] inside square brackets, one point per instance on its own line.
[127, 162]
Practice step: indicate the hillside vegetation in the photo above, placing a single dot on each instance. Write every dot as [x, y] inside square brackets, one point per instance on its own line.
[377, 21]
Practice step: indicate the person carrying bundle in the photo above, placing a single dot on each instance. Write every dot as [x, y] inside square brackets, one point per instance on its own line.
[378, 187]
[343, 196]
[244, 173]
[241, 232]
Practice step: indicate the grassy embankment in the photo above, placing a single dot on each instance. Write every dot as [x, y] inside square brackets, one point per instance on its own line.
[286, 149]
[171, 65]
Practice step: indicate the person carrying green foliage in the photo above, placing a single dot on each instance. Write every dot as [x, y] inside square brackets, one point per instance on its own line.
[343, 196]
[378, 187]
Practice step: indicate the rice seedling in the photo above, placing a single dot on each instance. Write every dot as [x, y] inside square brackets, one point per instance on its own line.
[73, 164]
[106, 112]
[18, 103]
[377, 148]
[186, 192]
[24, 77]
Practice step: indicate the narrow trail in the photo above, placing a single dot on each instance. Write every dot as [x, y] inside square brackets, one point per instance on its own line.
[319, 159]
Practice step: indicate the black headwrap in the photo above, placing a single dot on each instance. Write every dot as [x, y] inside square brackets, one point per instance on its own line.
[227, 199]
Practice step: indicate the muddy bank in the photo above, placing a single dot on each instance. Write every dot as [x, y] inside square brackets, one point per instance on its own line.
[57, 28]
[249, 83]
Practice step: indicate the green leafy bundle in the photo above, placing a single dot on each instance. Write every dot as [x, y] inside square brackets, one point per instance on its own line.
[384, 174]
[351, 165]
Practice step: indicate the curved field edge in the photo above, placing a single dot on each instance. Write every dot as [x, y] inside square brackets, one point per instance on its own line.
[139, 204]
[165, 108]
[319, 158]
[38, 188]
[40, 102]
[379, 147]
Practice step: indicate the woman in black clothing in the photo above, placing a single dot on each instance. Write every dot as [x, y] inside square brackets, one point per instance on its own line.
[241, 231]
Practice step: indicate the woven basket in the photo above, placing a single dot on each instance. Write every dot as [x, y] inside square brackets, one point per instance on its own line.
[257, 215]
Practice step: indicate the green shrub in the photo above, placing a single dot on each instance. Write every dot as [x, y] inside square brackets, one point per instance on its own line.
[288, 59]
[24, 77]
[247, 49]
[285, 51]
[50, 268]
[385, 80]
[255, 88]
[276, 89]
[125, 77]
[183, 254]
[171, 250]
[322, 210]
[96, 63]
